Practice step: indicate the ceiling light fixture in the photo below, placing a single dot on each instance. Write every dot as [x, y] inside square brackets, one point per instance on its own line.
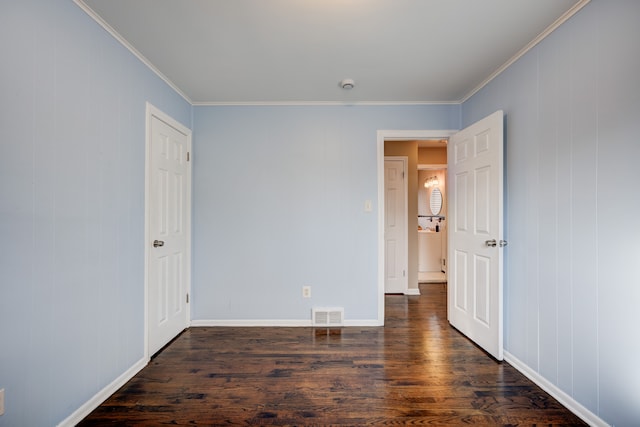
[347, 84]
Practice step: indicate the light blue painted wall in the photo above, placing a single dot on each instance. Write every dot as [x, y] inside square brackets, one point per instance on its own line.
[71, 207]
[278, 202]
[572, 281]
[72, 106]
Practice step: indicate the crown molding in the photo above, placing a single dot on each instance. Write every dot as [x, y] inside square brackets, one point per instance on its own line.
[318, 103]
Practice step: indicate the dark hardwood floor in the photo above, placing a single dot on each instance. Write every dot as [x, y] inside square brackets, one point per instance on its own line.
[416, 370]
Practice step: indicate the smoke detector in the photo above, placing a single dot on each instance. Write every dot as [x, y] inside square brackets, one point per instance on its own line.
[347, 84]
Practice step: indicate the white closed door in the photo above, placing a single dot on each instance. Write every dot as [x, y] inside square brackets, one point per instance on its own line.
[476, 233]
[395, 226]
[168, 235]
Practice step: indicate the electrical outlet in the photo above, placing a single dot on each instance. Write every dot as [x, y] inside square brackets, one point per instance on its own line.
[2, 402]
[306, 292]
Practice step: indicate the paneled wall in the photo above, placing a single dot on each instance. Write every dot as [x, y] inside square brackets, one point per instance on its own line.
[72, 114]
[279, 195]
[572, 110]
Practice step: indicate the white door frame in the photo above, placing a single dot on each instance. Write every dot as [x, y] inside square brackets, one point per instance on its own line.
[393, 135]
[152, 111]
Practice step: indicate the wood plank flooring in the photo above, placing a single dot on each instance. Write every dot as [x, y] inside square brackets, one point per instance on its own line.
[416, 370]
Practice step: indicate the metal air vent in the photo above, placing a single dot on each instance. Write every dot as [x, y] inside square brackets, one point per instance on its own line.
[327, 316]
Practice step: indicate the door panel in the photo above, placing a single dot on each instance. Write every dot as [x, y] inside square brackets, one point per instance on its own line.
[482, 289]
[460, 280]
[475, 281]
[483, 201]
[460, 214]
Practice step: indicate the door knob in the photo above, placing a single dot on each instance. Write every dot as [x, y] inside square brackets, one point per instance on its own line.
[503, 243]
[158, 243]
[491, 243]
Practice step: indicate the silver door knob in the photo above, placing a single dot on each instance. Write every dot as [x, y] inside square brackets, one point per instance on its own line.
[503, 243]
[157, 243]
[491, 243]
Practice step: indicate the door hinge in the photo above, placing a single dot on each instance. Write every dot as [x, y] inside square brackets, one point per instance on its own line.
[187, 298]
[188, 156]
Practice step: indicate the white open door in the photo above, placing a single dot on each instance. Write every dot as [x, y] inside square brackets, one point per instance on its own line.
[168, 229]
[475, 232]
[395, 226]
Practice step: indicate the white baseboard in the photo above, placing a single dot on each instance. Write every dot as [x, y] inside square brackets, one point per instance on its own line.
[260, 323]
[562, 397]
[363, 323]
[80, 413]
[252, 323]
[412, 291]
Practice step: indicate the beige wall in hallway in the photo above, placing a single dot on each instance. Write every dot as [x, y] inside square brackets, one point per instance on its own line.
[432, 156]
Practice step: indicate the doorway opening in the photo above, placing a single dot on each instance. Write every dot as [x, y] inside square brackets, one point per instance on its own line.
[475, 239]
[401, 140]
[432, 215]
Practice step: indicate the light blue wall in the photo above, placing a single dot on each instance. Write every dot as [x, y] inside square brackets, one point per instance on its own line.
[278, 202]
[572, 280]
[72, 114]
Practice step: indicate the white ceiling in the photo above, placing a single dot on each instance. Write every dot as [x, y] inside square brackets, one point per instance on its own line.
[297, 51]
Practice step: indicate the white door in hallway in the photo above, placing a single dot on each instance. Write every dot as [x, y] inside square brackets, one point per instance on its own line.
[168, 229]
[476, 233]
[395, 226]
